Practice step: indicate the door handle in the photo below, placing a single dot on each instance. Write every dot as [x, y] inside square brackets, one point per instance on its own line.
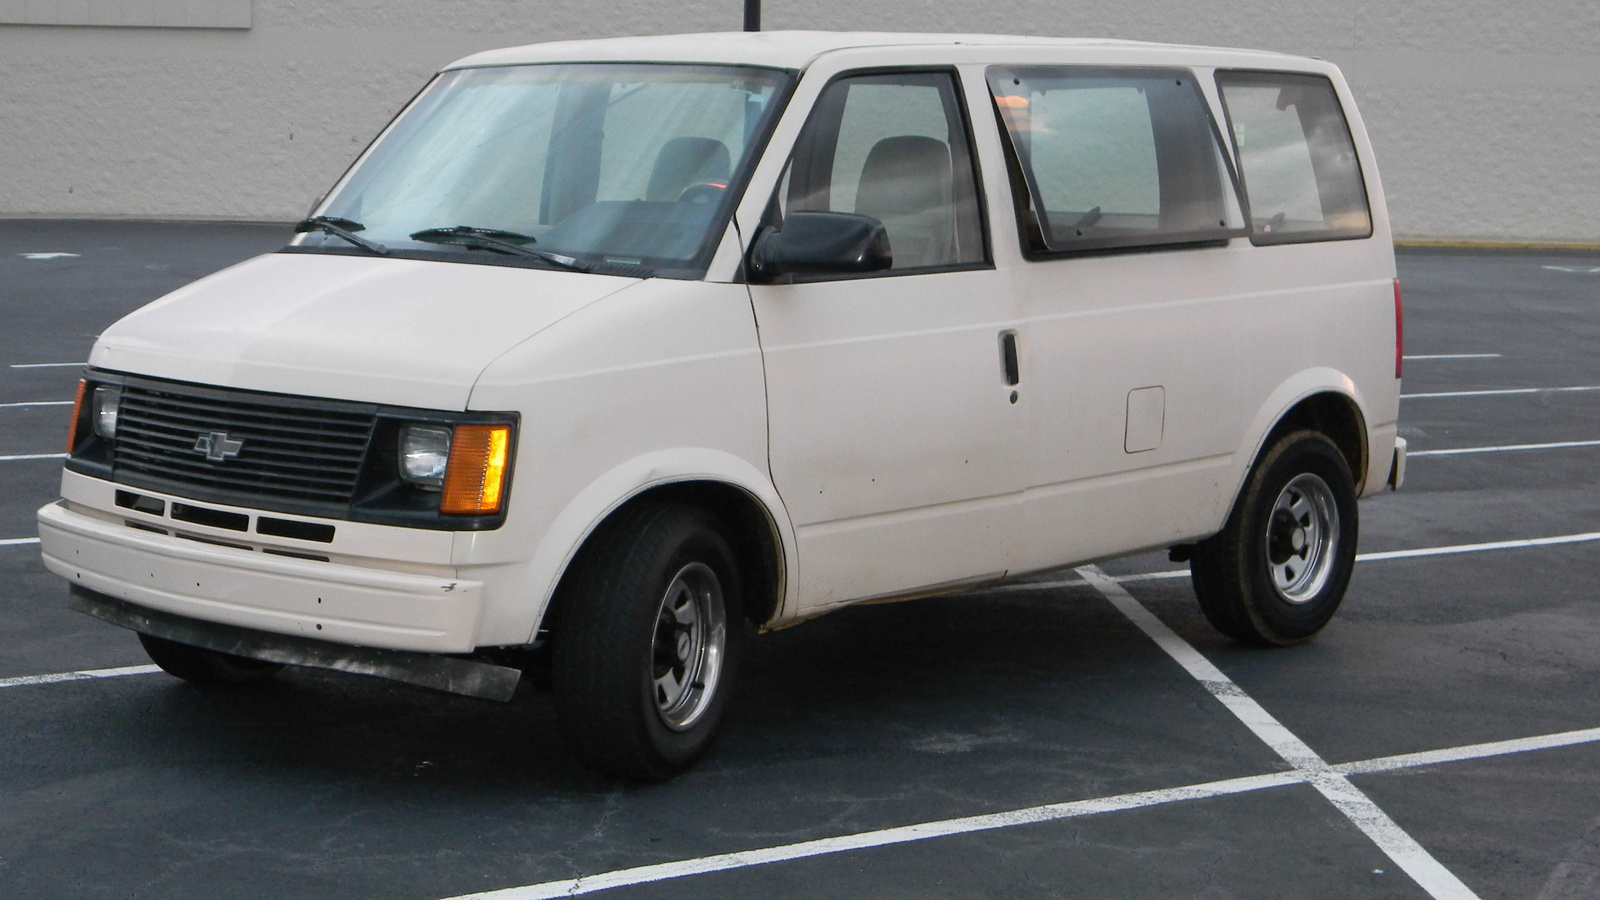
[1009, 367]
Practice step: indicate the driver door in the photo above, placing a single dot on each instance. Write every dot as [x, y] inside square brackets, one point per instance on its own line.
[895, 423]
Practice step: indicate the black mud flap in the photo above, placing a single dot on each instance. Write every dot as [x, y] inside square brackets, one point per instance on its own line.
[450, 674]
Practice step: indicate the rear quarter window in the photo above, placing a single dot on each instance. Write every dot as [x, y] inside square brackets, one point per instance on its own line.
[1109, 159]
[1302, 180]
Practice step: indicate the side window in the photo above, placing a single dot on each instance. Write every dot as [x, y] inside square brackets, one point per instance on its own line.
[1100, 153]
[1302, 181]
[1111, 158]
[893, 147]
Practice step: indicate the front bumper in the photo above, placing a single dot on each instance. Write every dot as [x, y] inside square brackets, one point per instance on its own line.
[451, 674]
[328, 601]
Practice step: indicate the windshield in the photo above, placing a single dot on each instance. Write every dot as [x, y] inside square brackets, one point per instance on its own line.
[601, 164]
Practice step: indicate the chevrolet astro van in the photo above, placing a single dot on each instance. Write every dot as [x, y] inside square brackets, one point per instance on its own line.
[606, 356]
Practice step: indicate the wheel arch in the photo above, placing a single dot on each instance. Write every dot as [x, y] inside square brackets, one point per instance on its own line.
[757, 544]
[1324, 401]
[757, 527]
[1336, 416]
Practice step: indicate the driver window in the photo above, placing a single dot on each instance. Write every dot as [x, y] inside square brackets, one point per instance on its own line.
[893, 147]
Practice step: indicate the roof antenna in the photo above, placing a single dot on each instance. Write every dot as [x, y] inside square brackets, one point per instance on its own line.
[752, 15]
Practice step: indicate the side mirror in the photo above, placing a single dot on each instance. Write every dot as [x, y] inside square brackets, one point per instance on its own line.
[821, 243]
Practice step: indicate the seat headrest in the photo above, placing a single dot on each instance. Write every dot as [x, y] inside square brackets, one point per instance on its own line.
[684, 161]
[904, 175]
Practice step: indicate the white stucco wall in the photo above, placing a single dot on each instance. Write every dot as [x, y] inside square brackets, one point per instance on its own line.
[1486, 114]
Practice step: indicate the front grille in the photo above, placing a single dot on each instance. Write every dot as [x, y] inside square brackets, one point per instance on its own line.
[297, 450]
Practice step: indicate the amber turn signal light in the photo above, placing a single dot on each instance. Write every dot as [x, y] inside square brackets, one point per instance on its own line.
[475, 479]
[77, 413]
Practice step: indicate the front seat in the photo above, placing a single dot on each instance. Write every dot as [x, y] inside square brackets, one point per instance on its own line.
[906, 183]
[684, 161]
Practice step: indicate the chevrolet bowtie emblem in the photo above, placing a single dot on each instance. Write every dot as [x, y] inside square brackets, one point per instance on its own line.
[217, 446]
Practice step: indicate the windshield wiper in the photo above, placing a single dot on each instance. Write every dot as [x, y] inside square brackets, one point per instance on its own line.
[509, 242]
[341, 228]
[455, 230]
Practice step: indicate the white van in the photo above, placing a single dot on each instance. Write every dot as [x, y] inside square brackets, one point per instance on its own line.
[606, 354]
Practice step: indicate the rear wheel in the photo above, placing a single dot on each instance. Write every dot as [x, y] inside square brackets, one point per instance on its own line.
[1278, 570]
[647, 642]
[206, 667]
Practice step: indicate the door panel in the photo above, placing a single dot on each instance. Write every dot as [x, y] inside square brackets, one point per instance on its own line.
[888, 405]
[1107, 334]
[894, 439]
[1130, 306]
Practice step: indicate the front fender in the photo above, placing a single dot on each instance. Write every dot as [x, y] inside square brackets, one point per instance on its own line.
[609, 492]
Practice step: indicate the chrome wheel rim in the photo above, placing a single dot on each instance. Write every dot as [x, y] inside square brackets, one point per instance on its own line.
[1302, 536]
[687, 649]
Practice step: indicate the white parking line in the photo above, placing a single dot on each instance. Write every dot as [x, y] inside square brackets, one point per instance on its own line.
[1309, 768]
[1471, 751]
[85, 675]
[47, 365]
[1500, 392]
[1331, 780]
[18, 542]
[36, 403]
[1378, 556]
[1479, 548]
[1454, 356]
[24, 456]
[1362, 812]
[1504, 448]
[601, 881]
[1152, 576]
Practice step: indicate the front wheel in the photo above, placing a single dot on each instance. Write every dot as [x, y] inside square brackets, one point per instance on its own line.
[1278, 570]
[647, 641]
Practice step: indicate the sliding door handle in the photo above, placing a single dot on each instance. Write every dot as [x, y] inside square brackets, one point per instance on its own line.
[1009, 367]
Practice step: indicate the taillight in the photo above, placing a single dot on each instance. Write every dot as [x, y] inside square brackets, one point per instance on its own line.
[77, 414]
[1399, 330]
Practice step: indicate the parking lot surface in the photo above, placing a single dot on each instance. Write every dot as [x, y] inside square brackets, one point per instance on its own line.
[1085, 734]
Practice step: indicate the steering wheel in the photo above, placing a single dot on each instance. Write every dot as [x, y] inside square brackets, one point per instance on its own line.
[702, 192]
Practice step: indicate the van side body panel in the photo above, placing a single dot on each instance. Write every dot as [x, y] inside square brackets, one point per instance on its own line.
[1233, 336]
[660, 383]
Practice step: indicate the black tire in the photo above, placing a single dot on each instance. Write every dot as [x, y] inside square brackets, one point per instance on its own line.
[1278, 570]
[640, 688]
[198, 665]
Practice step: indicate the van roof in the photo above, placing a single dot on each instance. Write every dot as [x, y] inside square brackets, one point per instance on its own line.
[785, 49]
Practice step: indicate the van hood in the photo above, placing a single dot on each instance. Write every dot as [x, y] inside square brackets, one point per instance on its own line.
[368, 329]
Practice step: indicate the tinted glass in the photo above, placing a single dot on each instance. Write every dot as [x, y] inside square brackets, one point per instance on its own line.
[620, 163]
[1301, 177]
[893, 147]
[1100, 152]
[1112, 158]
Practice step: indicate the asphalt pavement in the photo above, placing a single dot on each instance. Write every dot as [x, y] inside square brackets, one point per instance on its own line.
[1049, 739]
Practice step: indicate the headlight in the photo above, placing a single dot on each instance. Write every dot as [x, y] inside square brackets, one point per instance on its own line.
[106, 400]
[424, 455]
[468, 463]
